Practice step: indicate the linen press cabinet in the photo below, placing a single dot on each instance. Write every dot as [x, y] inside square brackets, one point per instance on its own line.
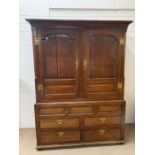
[79, 79]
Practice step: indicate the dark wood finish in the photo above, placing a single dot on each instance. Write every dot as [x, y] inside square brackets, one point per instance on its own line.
[101, 63]
[48, 123]
[79, 79]
[102, 134]
[109, 108]
[54, 137]
[80, 144]
[99, 121]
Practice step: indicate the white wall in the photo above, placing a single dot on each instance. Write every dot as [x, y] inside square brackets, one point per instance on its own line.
[69, 9]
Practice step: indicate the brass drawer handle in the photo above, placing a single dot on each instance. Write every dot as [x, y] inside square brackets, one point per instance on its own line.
[60, 134]
[60, 122]
[101, 132]
[102, 120]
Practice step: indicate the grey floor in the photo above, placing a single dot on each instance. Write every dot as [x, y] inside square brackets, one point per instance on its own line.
[28, 144]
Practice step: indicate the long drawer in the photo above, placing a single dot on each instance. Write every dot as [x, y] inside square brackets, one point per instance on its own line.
[98, 121]
[48, 122]
[102, 134]
[54, 137]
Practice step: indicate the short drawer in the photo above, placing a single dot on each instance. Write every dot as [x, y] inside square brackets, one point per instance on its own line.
[81, 110]
[54, 137]
[116, 108]
[48, 122]
[98, 121]
[102, 134]
[52, 111]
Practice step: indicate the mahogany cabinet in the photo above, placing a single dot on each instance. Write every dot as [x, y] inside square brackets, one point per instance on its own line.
[79, 79]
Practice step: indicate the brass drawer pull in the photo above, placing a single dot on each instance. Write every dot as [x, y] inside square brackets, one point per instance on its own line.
[60, 134]
[102, 120]
[60, 122]
[101, 132]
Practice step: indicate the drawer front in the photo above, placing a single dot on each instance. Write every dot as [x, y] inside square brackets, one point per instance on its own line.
[102, 134]
[98, 121]
[110, 108]
[48, 122]
[59, 136]
[52, 111]
[81, 110]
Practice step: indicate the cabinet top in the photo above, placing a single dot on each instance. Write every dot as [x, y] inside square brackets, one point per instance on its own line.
[79, 23]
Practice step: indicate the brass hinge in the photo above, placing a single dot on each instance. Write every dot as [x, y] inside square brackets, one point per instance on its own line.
[40, 87]
[122, 41]
[119, 85]
[36, 41]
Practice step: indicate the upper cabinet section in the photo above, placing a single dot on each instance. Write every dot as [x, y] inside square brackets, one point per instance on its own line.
[78, 59]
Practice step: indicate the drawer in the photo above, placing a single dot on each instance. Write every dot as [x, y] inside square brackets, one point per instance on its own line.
[48, 122]
[98, 121]
[59, 136]
[102, 134]
[81, 110]
[116, 108]
[52, 111]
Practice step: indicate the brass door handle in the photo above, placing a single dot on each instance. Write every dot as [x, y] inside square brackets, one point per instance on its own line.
[59, 122]
[60, 134]
[102, 120]
[36, 41]
[101, 132]
[122, 41]
[76, 65]
[85, 65]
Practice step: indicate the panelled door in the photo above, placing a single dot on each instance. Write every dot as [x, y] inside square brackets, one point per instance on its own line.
[58, 58]
[102, 64]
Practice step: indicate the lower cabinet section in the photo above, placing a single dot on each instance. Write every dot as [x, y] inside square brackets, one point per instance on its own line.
[83, 124]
